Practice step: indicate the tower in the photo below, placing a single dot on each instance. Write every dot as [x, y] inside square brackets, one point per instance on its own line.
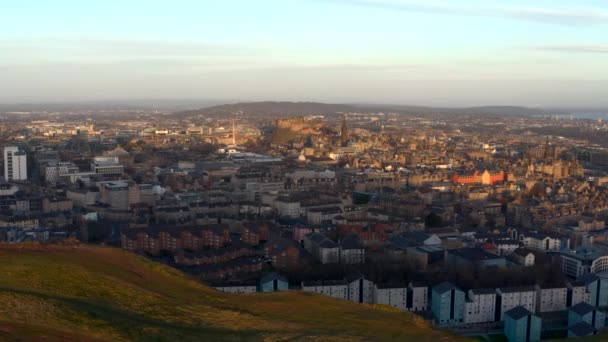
[344, 132]
[233, 134]
[15, 164]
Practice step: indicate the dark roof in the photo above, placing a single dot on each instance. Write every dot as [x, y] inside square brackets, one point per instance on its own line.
[351, 242]
[484, 291]
[444, 287]
[474, 254]
[272, 276]
[582, 308]
[392, 286]
[353, 277]
[518, 312]
[581, 329]
[522, 251]
[324, 283]
[328, 244]
[517, 289]
[588, 278]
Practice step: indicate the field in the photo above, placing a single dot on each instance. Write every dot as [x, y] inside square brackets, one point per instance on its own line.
[87, 293]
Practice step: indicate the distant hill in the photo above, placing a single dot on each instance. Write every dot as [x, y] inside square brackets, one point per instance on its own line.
[287, 109]
[86, 293]
[274, 108]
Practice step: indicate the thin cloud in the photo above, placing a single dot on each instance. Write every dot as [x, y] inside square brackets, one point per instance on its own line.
[599, 49]
[97, 45]
[562, 16]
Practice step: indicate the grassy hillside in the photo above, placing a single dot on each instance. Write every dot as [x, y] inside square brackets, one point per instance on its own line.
[85, 293]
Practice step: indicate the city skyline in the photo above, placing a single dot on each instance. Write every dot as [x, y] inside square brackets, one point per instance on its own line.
[541, 53]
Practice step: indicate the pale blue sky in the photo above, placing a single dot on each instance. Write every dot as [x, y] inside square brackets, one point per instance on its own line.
[438, 52]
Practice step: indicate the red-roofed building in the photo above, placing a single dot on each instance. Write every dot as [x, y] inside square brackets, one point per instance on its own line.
[467, 178]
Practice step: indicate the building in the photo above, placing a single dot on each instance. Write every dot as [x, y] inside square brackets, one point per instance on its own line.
[419, 296]
[272, 282]
[351, 250]
[475, 256]
[584, 312]
[408, 297]
[236, 288]
[480, 306]
[544, 242]
[253, 233]
[521, 325]
[55, 204]
[581, 329]
[283, 253]
[360, 290]
[107, 166]
[582, 261]
[551, 298]
[493, 177]
[153, 240]
[322, 248]
[508, 298]
[577, 293]
[523, 257]
[332, 288]
[597, 288]
[447, 304]
[54, 170]
[15, 164]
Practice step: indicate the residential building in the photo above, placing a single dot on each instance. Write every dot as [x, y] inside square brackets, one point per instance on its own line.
[597, 288]
[544, 242]
[332, 288]
[508, 298]
[15, 164]
[480, 306]
[551, 298]
[246, 287]
[577, 293]
[272, 282]
[521, 325]
[475, 256]
[584, 312]
[447, 304]
[322, 248]
[523, 256]
[351, 250]
[360, 290]
[581, 329]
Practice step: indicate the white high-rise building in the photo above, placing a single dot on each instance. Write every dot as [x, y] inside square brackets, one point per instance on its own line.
[15, 164]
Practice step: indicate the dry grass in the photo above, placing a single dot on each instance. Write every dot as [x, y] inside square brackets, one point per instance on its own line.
[54, 293]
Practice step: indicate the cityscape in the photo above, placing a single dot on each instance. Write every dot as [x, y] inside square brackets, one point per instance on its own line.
[335, 170]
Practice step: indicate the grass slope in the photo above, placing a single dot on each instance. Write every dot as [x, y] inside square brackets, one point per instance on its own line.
[86, 293]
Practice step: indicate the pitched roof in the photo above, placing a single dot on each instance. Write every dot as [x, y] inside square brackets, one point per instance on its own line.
[581, 329]
[582, 308]
[518, 312]
[272, 276]
[444, 287]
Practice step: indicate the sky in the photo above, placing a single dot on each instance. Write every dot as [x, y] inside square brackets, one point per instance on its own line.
[541, 53]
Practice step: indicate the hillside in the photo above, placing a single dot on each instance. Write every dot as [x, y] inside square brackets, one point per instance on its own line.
[290, 109]
[86, 293]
